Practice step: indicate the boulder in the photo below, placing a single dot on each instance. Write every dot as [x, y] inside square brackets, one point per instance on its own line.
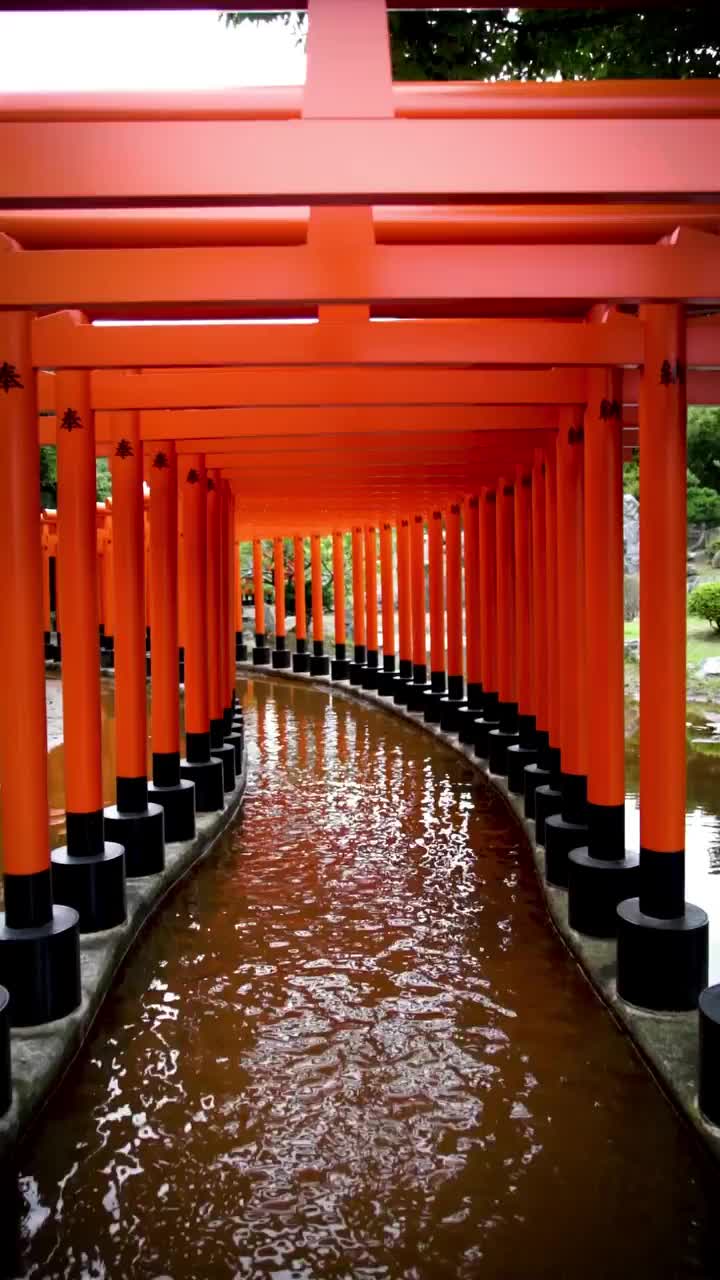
[631, 533]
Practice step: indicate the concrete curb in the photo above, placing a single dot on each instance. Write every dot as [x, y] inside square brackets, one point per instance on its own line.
[40, 1055]
[667, 1043]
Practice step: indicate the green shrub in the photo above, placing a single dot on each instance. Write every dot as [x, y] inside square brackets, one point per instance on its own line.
[704, 602]
[703, 504]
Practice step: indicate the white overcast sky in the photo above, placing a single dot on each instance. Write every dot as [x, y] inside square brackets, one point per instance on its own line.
[152, 50]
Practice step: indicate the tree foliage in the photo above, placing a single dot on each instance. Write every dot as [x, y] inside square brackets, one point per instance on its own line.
[541, 44]
[704, 602]
[48, 477]
[703, 445]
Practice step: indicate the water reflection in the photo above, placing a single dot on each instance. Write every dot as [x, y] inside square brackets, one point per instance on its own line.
[351, 1047]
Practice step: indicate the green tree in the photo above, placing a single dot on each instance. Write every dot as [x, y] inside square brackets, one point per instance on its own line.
[703, 445]
[48, 477]
[704, 602]
[591, 44]
[703, 504]
[631, 477]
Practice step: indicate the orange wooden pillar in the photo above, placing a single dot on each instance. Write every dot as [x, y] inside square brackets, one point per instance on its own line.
[490, 718]
[47, 619]
[420, 683]
[436, 598]
[507, 731]
[301, 657]
[240, 645]
[261, 650]
[132, 821]
[340, 666]
[319, 662]
[538, 773]
[219, 749]
[233, 715]
[370, 672]
[198, 766]
[107, 644]
[281, 653]
[469, 713]
[88, 874]
[523, 752]
[39, 946]
[358, 605]
[451, 706]
[662, 957]
[405, 666]
[566, 829]
[600, 875]
[386, 678]
[175, 794]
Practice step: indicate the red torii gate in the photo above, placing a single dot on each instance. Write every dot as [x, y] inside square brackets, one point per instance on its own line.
[496, 225]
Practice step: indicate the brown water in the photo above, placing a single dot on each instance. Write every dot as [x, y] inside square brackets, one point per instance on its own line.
[350, 1046]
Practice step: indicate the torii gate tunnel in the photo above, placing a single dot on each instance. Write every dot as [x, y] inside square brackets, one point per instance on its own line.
[506, 289]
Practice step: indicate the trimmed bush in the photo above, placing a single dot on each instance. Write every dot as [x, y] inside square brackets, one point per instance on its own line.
[704, 602]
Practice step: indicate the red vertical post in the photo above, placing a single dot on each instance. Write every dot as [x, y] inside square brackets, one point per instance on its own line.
[199, 767]
[501, 738]
[436, 594]
[339, 667]
[488, 621]
[453, 563]
[567, 829]
[319, 663]
[370, 673]
[599, 874]
[132, 822]
[524, 751]
[420, 684]
[473, 649]
[387, 592]
[88, 874]
[175, 794]
[358, 603]
[405, 669]
[662, 958]
[39, 947]
[281, 653]
[301, 657]
[219, 749]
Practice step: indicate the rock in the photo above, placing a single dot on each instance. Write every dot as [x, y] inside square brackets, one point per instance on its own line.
[249, 620]
[716, 560]
[710, 667]
[632, 650]
[631, 533]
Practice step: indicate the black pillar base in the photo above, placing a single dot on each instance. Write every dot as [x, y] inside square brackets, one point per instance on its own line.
[319, 664]
[561, 837]
[208, 778]
[93, 885]
[226, 756]
[430, 705]
[498, 742]
[369, 677]
[355, 670]
[596, 887]
[281, 659]
[386, 684]
[466, 718]
[340, 669]
[261, 655]
[518, 758]
[400, 687]
[481, 739]
[40, 968]
[236, 741]
[450, 709]
[5, 1066]
[178, 805]
[143, 837]
[416, 696]
[709, 1055]
[548, 800]
[107, 660]
[661, 964]
[301, 662]
[535, 776]
[240, 648]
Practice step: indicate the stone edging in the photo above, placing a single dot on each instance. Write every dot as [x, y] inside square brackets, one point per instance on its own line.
[40, 1055]
[667, 1043]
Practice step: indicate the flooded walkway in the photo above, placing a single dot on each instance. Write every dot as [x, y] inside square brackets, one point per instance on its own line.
[351, 1046]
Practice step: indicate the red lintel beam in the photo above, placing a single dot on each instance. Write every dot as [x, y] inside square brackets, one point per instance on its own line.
[354, 161]
[150, 281]
[61, 341]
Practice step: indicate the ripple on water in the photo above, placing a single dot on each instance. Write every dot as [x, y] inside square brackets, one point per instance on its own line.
[350, 1046]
